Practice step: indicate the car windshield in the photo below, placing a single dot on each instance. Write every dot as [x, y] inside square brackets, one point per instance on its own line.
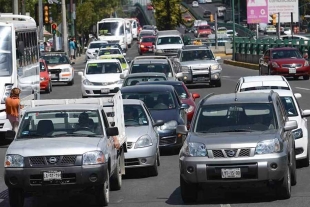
[169, 40]
[96, 45]
[289, 106]
[255, 88]
[56, 59]
[109, 51]
[245, 117]
[148, 39]
[193, 55]
[135, 80]
[134, 115]
[204, 27]
[111, 28]
[181, 91]
[52, 124]
[103, 68]
[157, 100]
[284, 54]
[152, 67]
[6, 51]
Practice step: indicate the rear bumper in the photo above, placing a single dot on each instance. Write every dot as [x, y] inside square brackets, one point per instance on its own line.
[285, 71]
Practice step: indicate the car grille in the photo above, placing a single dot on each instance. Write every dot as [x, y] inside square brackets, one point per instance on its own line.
[99, 91]
[129, 145]
[291, 65]
[102, 83]
[58, 160]
[132, 161]
[229, 153]
[167, 140]
[170, 51]
[55, 71]
[1, 125]
[66, 178]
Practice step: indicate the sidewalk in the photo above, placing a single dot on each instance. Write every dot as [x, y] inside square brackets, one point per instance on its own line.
[80, 59]
[241, 64]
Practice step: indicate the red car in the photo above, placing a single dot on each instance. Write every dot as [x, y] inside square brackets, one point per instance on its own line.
[285, 61]
[145, 45]
[45, 78]
[184, 95]
[187, 18]
[206, 29]
[149, 6]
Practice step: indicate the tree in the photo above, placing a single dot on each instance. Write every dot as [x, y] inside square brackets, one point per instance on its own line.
[168, 14]
[85, 16]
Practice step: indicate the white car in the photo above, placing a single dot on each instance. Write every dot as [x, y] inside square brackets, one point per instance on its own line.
[195, 4]
[263, 82]
[230, 33]
[93, 48]
[109, 51]
[294, 113]
[270, 29]
[101, 77]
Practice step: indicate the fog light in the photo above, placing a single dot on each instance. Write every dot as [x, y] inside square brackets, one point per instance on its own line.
[185, 78]
[13, 180]
[143, 160]
[273, 165]
[216, 76]
[190, 169]
[93, 178]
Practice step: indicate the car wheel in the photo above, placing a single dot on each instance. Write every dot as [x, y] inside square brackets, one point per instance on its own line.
[217, 83]
[153, 170]
[140, 53]
[305, 162]
[48, 89]
[102, 192]
[296, 77]
[283, 190]
[305, 77]
[189, 191]
[51, 86]
[70, 83]
[293, 170]
[116, 178]
[16, 197]
[158, 158]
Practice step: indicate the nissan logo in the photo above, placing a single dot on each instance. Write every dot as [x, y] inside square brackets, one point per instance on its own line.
[52, 160]
[230, 153]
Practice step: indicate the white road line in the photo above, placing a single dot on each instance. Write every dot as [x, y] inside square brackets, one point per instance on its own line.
[225, 205]
[307, 89]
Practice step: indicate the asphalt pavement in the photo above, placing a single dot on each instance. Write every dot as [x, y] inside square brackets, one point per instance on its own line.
[163, 190]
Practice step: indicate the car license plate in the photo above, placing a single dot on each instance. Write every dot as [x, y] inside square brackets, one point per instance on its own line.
[231, 173]
[292, 70]
[53, 76]
[105, 90]
[52, 175]
[150, 49]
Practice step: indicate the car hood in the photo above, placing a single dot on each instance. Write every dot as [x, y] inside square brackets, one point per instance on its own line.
[112, 77]
[53, 146]
[134, 133]
[169, 46]
[289, 61]
[166, 115]
[231, 139]
[60, 66]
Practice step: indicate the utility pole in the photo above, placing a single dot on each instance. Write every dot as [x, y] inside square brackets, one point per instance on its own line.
[279, 32]
[15, 6]
[292, 27]
[23, 2]
[64, 27]
[41, 36]
[234, 28]
[215, 34]
[238, 11]
[71, 18]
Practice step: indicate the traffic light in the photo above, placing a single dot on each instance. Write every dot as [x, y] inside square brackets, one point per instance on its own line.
[211, 18]
[54, 28]
[273, 19]
[46, 13]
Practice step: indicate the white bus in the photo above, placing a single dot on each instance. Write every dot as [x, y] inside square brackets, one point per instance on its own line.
[114, 30]
[19, 61]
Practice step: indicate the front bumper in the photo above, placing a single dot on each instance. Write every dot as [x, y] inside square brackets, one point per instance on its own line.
[301, 146]
[201, 76]
[257, 168]
[140, 157]
[169, 139]
[286, 72]
[44, 84]
[76, 178]
[58, 76]
[91, 90]
[147, 49]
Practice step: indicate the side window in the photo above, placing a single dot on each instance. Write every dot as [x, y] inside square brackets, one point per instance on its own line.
[134, 24]
[178, 99]
[282, 113]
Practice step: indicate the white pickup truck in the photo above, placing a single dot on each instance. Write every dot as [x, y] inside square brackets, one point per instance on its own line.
[67, 145]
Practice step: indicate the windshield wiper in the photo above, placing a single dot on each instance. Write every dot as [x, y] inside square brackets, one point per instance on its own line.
[23, 136]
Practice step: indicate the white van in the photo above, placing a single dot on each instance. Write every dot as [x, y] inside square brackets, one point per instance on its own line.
[168, 43]
[135, 29]
[129, 34]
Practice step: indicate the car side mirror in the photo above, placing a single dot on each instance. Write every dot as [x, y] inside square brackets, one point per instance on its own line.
[112, 131]
[297, 95]
[10, 135]
[218, 58]
[184, 106]
[181, 129]
[290, 125]
[158, 123]
[122, 76]
[305, 113]
[128, 61]
[195, 96]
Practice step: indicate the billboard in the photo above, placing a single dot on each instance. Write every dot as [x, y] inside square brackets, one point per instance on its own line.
[284, 7]
[257, 11]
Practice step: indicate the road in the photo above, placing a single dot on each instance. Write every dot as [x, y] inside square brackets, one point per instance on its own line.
[163, 190]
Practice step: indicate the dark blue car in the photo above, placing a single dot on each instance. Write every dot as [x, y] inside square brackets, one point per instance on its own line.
[164, 104]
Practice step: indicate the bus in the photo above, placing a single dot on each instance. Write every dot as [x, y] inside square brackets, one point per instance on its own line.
[19, 61]
[114, 30]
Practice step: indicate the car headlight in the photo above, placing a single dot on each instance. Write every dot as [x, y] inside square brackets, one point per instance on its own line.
[89, 53]
[144, 141]
[306, 63]
[169, 125]
[66, 70]
[159, 51]
[190, 109]
[193, 149]
[268, 147]
[142, 46]
[297, 133]
[215, 67]
[93, 158]
[87, 82]
[14, 161]
[6, 93]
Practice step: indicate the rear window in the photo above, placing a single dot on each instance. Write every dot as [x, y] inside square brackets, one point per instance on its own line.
[264, 88]
[152, 67]
[204, 27]
[148, 39]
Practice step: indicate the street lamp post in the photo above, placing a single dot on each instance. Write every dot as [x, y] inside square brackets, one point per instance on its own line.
[234, 28]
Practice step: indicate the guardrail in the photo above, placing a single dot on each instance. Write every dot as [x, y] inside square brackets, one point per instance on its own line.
[141, 8]
[250, 50]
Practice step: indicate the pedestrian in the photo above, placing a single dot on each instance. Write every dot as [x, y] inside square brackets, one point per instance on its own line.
[72, 49]
[76, 47]
[12, 105]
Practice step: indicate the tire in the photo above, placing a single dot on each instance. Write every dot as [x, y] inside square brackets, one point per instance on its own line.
[70, 83]
[296, 77]
[49, 88]
[293, 170]
[116, 178]
[189, 192]
[305, 162]
[305, 77]
[16, 197]
[140, 53]
[158, 158]
[153, 170]
[217, 83]
[102, 192]
[283, 189]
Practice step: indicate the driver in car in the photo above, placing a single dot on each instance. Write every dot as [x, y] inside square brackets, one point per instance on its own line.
[83, 122]
[131, 116]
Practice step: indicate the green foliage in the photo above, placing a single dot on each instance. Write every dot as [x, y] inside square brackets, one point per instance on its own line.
[168, 14]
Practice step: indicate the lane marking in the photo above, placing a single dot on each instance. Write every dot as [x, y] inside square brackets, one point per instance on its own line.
[307, 89]
[225, 205]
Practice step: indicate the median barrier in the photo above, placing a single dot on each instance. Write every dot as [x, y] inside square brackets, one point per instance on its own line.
[241, 64]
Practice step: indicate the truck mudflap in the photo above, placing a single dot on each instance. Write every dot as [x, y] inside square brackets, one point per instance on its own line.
[189, 77]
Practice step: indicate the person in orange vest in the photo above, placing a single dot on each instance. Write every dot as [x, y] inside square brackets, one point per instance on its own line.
[12, 105]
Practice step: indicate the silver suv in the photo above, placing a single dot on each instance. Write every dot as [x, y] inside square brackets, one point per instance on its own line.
[236, 140]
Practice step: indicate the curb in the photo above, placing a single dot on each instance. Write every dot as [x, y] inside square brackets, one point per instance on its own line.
[242, 64]
[222, 55]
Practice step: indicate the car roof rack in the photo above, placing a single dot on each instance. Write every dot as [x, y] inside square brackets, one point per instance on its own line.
[203, 100]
